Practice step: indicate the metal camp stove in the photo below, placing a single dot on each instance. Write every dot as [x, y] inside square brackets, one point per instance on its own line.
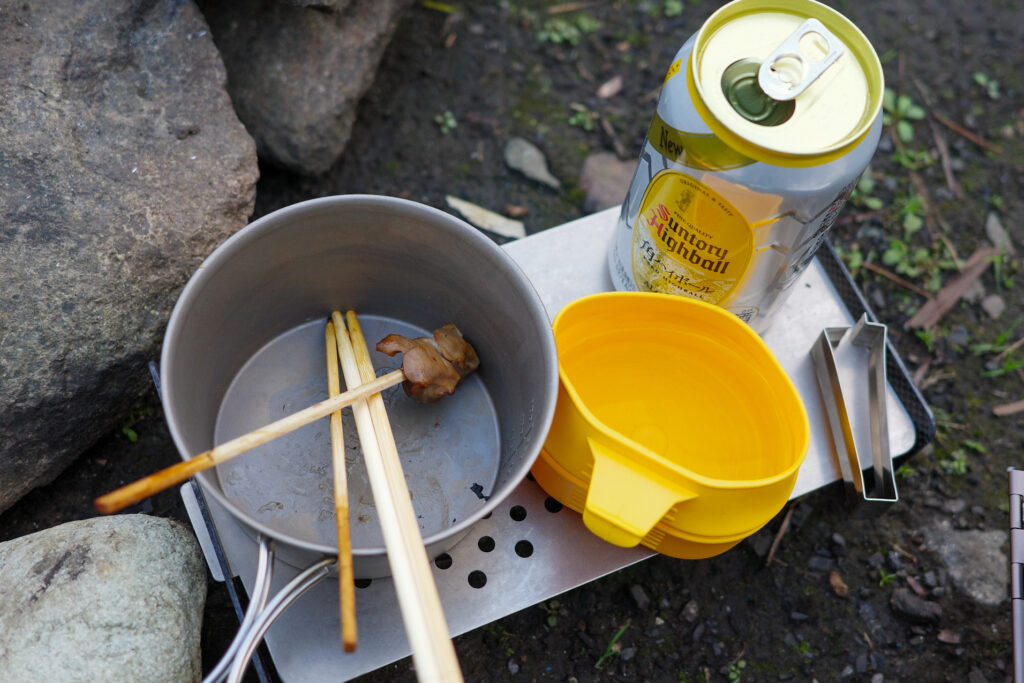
[528, 550]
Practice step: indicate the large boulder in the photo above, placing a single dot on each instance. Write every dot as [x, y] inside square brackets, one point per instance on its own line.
[107, 599]
[122, 165]
[297, 73]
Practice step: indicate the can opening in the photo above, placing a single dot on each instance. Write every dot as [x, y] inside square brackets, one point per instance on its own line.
[741, 89]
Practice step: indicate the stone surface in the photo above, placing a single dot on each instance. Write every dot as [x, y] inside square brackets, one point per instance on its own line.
[605, 180]
[107, 599]
[123, 165]
[297, 73]
[974, 559]
[915, 609]
[993, 305]
[997, 234]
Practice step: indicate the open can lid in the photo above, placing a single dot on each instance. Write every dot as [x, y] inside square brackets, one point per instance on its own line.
[750, 51]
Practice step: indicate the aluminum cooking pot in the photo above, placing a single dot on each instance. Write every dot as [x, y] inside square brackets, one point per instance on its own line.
[244, 346]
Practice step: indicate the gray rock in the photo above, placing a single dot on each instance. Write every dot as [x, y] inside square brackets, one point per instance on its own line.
[640, 596]
[107, 599]
[123, 165]
[605, 180]
[524, 157]
[994, 305]
[297, 73]
[917, 610]
[761, 542]
[997, 234]
[974, 559]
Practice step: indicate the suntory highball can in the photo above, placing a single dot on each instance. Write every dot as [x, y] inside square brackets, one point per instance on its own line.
[767, 117]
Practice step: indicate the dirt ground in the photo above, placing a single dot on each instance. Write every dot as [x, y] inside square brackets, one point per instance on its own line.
[532, 69]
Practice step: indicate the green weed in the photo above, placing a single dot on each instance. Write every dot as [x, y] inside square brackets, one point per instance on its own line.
[886, 578]
[446, 121]
[581, 117]
[559, 30]
[135, 416]
[612, 648]
[905, 471]
[899, 112]
[861, 195]
[988, 84]
[956, 464]
[736, 670]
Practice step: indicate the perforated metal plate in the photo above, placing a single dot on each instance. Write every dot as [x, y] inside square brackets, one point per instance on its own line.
[528, 549]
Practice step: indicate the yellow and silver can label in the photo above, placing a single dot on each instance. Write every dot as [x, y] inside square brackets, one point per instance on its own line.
[767, 117]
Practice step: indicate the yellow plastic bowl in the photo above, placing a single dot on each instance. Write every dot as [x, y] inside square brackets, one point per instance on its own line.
[675, 419]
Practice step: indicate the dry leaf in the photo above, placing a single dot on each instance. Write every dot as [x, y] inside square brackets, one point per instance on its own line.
[1009, 409]
[516, 210]
[838, 585]
[610, 88]
[488, 220]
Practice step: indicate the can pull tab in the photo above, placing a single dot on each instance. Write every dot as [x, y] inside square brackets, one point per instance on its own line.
[799, 60]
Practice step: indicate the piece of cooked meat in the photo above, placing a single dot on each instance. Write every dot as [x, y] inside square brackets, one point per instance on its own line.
[456, 349]
[433, 367]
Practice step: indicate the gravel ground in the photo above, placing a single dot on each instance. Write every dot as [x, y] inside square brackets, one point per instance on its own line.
[902, 597]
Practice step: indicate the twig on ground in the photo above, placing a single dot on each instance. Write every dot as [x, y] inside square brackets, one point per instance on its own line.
[778, 536]
[569, 7]
[897, 279]
[921, 373]
[952, 251]
[935, 379]
[1008, 350]
[947, 166]
[957, 128]
[948, 296]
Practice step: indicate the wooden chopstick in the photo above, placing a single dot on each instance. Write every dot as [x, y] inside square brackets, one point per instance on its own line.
[346, 580]
[432, 649]
[169, 476]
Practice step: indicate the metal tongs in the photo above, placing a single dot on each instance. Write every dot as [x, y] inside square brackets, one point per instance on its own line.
[838, 341]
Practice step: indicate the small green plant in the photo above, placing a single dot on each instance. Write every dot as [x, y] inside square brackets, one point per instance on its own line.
[673, 8]
[559, 30]
[956, 464]
[852, 257]
[135, 416]
[928, 338]
[736, 670]
[905, 471]
[861, 195]
[913, 159]
[918, 262]
[1000, 344]
[581, 117]
[613, 647]
[988, 84]
[885, 578]
[1010, 364]
[900, 111]
[446, 121]
[911, 213]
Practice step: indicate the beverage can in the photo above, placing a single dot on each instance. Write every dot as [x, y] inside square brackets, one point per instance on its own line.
[767, 117]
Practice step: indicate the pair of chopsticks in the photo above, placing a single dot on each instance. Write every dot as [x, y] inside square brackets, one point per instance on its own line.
[432, 649]
[420, 604]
